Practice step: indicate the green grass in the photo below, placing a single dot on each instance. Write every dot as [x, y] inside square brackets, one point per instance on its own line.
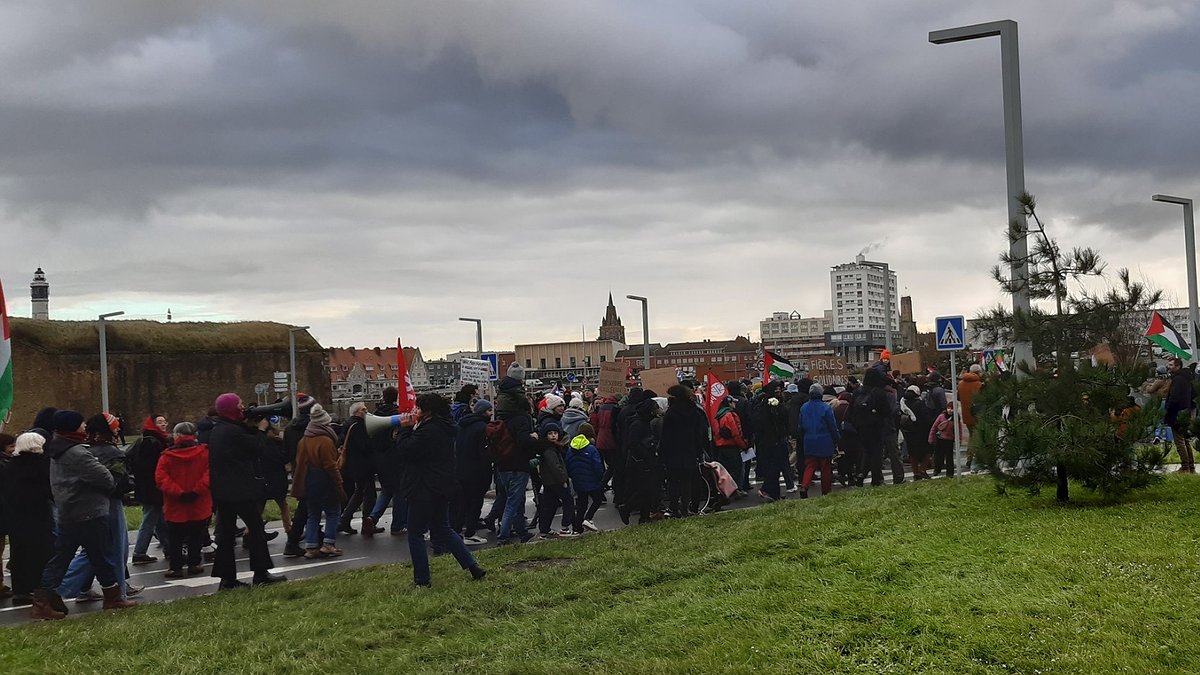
[936, 577]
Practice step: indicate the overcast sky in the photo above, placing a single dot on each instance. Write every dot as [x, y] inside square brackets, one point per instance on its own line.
[378, 169]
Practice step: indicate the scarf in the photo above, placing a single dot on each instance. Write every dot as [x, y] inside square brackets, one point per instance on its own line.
[313, 429]
[78, 437]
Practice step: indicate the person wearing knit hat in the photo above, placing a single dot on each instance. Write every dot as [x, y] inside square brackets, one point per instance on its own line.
[233, 451]
[472, 470]
[587, 477]
[318, 480]
[516, 372]
[572, 417]
[481, 406]
[25, 492]
[143, 462]
[183, 476]
[81, 486]
[292, 434]
[551, 412]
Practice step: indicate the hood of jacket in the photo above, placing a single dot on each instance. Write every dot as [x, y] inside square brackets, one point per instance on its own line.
[573, 415]
[187, 450]
[58, 445]
[510, 385]
[149, 428]
[471, 418]
[970, 377]
[580, 442]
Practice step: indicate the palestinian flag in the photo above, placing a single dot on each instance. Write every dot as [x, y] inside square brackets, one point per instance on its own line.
[6, 369]
[775, 366]
[1163, 334]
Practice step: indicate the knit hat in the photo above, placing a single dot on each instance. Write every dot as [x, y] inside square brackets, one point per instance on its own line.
[885, 355]
[516, 372]
[304, 404]
[586, 429]
[100, 425]
[976, 368]
[576, 402]
[67, 421]
[551, 426]
[229, 406]
[553, 402]
[816, 391]
[481, 406]
[318, 415]
[29, 442]
[185, 429]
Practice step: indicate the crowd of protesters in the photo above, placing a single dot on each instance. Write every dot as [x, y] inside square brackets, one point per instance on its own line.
[202, 485]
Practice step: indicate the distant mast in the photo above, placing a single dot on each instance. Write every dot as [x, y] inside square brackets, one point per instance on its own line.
[39, 293]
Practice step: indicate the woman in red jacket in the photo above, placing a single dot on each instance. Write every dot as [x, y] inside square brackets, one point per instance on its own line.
[182, 475]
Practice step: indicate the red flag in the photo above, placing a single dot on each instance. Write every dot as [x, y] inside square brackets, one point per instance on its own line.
[408, 396]
[714, 393]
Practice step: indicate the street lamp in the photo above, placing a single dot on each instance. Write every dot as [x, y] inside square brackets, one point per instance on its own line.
[478, 335]
[1014, 151]
[1189, 240]
[104, 361]
[887, 302]
[645, 330]
[292, 359]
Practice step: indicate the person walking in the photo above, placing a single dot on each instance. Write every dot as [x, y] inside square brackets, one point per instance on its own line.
[183, 477]
[683, 446]
[868, 412]
[587, 477]
[426, 451]
[643, 466]
[319, 482]
[572, 417]
[770, 434]
[291, 440]
[941, 437]
[556, 488]
[730, 441]
[916, 418]
[473, 470]
[1180, 398]
[819, 430]
[383, 447]
[233, 449]
[512, 470]
[81, 487]
[360, 470]
[29, 507]
[143, 460]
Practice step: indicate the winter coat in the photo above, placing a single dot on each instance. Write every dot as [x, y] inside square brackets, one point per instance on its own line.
[143, 460]
[359, 464]
[317, 455]
[1179, 397]
[113, 458]
[942, 429]
[626, 415]
[545, 418]
[571, 420]
[604, 421]
[510, 398]
[870, 405]
[426, 454]
[471, 463]
[183, 468]
[25, 492]
[584, 465]
[233, 452]
[80, 483]
[272, 467]
[641, 443]
[771, 428]
[291, 437]
[794, 403]
[819, 428]
[684, 440]
[937, 398]
[551, 467]
[915, 409]
[968, 388]
[383, 448]
[729, 428]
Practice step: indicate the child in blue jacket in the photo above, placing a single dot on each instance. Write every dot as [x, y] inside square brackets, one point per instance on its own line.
[587, 476]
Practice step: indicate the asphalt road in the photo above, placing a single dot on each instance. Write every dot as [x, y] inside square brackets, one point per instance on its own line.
[359, 551]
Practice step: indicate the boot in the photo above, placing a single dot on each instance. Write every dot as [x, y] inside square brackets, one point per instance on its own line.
[113, 600]
[43, 606]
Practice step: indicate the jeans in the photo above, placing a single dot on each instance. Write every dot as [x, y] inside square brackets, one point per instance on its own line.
[554, 496]
[330, 510]
[80, 572]
[225, 567]
[192, 535]
[95, 538]
[514, 483]
[153, 524]
[399, 508]
[432, 513]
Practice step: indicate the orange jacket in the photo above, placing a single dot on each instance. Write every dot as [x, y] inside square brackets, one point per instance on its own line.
[968, 387]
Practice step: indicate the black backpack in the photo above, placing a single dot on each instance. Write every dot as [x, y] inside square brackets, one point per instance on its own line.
[499, 444]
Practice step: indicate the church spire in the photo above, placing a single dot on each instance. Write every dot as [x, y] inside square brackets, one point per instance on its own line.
[610, 327]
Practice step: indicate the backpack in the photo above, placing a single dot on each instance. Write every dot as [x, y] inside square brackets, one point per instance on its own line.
[861, 409]
[499, 444]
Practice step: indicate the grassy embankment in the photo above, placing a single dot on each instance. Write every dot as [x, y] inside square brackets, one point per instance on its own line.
[942, 576]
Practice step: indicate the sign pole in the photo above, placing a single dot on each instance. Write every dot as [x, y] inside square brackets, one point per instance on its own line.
[954, 399]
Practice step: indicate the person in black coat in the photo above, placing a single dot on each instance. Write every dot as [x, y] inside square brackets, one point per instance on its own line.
[618, 468]
[425, 448]
[643, 465]
[143, 460]
[383, 446]
[472, 469]
[29, 506]
[683, 446]
[360, 469]
[771, 431]
[868, 412]
[233, 452]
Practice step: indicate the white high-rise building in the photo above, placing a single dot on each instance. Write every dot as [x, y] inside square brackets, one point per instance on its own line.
[857, 295]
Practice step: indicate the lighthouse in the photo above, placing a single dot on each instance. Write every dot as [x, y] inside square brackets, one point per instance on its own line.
[39, 292]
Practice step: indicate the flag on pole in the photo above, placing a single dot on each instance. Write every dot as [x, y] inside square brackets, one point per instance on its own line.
[6, 368]
[407, 400]
[714, 393]
[1163, 334]
[776, 366]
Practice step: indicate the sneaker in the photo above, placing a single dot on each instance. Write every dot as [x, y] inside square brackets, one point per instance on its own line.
[768, 498]
[143, 559]
[527, 537]
[131, 590]
[209, 553]
[402, 532]
[90, 595]
[792, 489]
[804, 493]
[567, 533]
[477, 573]
[589, 525]
[474, 541]
[173, 574]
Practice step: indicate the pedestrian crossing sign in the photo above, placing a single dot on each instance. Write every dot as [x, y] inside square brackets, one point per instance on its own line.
[950, 333]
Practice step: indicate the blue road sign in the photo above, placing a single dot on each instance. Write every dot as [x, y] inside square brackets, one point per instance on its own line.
[571, 377]
[494, 362]
[950, 333]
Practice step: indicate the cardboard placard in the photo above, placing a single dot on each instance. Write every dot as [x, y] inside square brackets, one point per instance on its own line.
[908, 363]
[827, 370]
[659, 379]
[474, 371]
[612, 379]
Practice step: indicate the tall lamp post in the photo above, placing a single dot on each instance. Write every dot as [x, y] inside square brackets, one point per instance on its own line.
[1189, 241]
[292, 363]
[645, 330]
[1014, 150]
[104, 360]
[478, 335]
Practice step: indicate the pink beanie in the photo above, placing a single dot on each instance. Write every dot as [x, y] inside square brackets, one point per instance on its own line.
[229, 406]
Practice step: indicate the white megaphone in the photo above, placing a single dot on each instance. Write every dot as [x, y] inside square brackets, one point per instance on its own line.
[377, 423]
